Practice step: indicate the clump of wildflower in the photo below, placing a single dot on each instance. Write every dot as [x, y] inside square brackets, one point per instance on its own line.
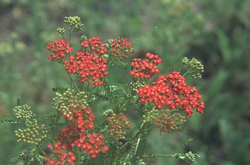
[33, 134]
[146, 68]
[59, 48]
[87, 65]
[95, 45]
[172, 91]
[118, 123]
[120, 48]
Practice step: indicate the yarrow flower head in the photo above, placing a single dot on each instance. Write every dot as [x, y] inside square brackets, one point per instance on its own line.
[23, 112]
[121, 48]
[172, 91]
[74, 23]
[32, 134]
[164, 119]
[118, 123]
[146, 68]
[95, 45]
[195, 68]
[59, 49]
[87, 65]
[60, 155]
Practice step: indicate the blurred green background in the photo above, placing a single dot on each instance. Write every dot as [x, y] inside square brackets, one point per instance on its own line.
[216, 32]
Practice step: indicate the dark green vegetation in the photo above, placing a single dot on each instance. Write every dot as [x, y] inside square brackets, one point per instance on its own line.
[216, 32]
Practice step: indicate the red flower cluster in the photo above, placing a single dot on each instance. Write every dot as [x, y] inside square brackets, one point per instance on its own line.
[59, 49]
[58, 151]
[168, 122]
[121, 48]
[95, 45]
[146, 68]
[117, 123]
[74, 135]
[172, 91]
[87, 65]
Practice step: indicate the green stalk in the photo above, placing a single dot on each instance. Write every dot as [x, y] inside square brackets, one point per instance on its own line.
[141, 127]
[180, 67]
[39, 148]
[78, 158]
[72, 81]
[157, 155]
[126, 104]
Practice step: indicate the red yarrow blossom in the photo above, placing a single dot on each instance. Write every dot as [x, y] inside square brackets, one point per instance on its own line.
[95, 45]
[87, 65]
[59, 49]
[172, 91]
[75, 135]
[60, 155]
[167, 122]
[145, 68]
[118, 123]
[121, 48]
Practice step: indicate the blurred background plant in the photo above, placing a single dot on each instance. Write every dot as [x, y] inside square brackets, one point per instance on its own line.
[217, 33]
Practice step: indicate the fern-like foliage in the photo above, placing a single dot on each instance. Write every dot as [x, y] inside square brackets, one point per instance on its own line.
[60, 90]
[29, 156]
[121, 64]
[13, 121]
[52, 114]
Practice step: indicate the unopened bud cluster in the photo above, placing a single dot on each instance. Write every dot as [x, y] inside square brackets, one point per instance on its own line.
[185, 61]
[25, 154]
[136, 85]
[150, 116]
[195, 67]
[23, 112]
[168, 121]
[120, 48]
[74, 21]
[60, 31]
[189, 157]
[118, 123]
[67, 102]
[33, 134]
[108, 113]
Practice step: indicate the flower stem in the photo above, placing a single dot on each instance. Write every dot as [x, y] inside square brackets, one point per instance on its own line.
[72, 81]
[126, 104]
[39, 148]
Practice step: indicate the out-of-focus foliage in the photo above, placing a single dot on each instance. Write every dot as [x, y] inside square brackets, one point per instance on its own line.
[217, 32]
